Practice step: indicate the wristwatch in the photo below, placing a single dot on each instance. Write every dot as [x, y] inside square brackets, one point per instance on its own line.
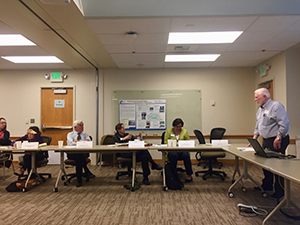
[121, 139]
[278, 139]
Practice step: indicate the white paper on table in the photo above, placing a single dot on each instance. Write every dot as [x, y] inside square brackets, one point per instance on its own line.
[30, 145]
[136, 144]
[247, 149]
[187, 143]
[219, 142]
[84, 144]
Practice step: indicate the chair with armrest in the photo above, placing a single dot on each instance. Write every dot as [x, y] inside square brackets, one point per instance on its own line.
[124, 162]
[6, 159]
[43, 162]
[179, 169]
[211, 156]
[70, 163]
[107, 139]
[201, 140]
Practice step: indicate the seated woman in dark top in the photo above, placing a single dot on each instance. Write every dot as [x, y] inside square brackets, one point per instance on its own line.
[33, 135]
[4, 140]
[141, 156]
[4, 134]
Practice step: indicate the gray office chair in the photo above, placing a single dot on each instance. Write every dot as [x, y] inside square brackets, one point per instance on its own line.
[6, 160]
[211, 156]
[107, 139]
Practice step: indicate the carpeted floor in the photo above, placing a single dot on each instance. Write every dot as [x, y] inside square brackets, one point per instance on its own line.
[105, 201]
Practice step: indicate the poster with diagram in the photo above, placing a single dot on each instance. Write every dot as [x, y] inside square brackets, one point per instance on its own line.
[143, 114]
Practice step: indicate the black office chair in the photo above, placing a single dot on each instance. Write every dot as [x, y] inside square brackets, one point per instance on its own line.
[124, 162]
[211, 156]
[41, 163]
[217, 134]
[201, 140]
[70, 163]
[179, 169]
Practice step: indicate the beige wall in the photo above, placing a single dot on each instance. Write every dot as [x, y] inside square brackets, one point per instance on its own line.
[293, 89]
[21, 100]
[231, 89]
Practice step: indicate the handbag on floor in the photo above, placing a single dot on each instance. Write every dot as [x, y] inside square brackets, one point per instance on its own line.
[19, 185]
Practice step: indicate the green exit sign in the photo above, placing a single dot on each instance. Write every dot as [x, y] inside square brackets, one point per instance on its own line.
[56, 77]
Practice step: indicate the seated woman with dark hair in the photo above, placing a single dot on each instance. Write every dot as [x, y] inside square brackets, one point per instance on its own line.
[33, 135]
[4, 140]
[179, 133]
[4, 134]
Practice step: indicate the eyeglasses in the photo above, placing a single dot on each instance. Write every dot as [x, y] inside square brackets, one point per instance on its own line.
[3, 122]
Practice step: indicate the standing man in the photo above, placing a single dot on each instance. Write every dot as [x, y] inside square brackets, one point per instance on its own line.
[272, 124]
[141, 156]
[80, 158]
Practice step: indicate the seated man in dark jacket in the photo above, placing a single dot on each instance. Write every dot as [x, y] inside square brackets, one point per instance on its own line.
[141, 156]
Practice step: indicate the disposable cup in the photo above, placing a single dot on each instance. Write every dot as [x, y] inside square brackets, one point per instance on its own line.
[60, 144]
[19, 144]
[171, 143]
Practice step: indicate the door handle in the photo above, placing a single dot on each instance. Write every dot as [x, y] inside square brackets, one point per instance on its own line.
[57, 127]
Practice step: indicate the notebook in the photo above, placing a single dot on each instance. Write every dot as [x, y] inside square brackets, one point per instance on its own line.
[262, 152]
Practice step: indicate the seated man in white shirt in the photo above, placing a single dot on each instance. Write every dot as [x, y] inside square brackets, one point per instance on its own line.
[80, 158]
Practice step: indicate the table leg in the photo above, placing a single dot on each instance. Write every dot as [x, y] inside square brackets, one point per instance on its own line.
[285, 201]
[237, 169]
[244, 175]
[164, 170]
[32, 171]
[133, 169]
[61, 170]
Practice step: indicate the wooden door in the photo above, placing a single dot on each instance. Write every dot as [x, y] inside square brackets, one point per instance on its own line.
[57, 114]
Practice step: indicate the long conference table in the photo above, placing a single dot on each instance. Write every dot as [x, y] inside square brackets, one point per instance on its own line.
[287, 168]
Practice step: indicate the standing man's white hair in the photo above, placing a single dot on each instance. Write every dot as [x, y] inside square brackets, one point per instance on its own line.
[263, 91]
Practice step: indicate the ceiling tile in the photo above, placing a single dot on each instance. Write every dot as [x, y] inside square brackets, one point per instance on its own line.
[121, 26]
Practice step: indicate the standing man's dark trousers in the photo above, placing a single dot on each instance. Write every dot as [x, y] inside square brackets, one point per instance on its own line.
[267, 182]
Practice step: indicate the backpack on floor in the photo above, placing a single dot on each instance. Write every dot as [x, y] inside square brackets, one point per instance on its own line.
[172, 179]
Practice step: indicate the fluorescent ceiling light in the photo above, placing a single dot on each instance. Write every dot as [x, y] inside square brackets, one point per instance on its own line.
[14, 40]
[191, 58]
[32, 59]
[203, 37]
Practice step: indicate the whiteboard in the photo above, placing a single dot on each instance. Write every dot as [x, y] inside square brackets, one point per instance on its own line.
[184, 104]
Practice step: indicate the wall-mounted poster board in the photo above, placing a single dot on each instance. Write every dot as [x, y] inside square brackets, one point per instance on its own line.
[185, 104]
[143, 114]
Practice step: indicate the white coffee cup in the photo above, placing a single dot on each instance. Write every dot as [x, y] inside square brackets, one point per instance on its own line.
[171, 143]
[19, 144]
[60, 144]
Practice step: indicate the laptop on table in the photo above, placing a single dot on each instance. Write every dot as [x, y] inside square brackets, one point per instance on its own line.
[259, 150]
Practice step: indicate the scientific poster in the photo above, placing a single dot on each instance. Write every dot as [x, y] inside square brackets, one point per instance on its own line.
[143, 114]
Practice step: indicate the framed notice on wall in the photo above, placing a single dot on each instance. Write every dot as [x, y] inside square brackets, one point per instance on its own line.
[143, 114]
